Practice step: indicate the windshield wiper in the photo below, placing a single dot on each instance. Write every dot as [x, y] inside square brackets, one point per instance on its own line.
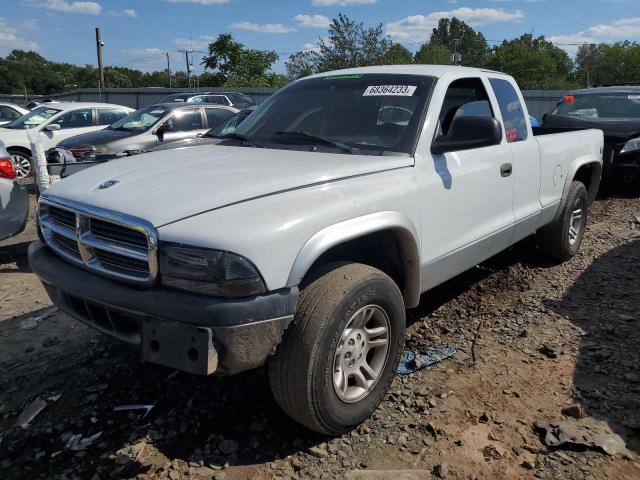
[319, 139]
[239, 136]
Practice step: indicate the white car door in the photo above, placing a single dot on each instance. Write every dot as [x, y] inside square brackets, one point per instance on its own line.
[527, 208]
[71, 123]
[467, 207]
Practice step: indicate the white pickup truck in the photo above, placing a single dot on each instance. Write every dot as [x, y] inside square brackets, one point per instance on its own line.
[300, 240]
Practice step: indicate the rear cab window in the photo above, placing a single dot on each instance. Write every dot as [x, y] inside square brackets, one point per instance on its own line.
[515, 124]
[107, 116]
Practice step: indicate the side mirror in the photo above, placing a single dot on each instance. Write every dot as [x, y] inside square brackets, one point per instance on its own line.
[160, 133]
[52, 127]
[544, 117]
[466, 133]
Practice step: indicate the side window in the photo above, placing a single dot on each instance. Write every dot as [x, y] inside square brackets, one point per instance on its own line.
[464, 97]
[8, 114]
[217, 99]
[107, 116]
[515, 125]
[184, 121]
[198, 99]
[75, 119]
[215, 116]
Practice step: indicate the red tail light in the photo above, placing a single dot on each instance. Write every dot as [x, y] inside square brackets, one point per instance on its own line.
[7, 170]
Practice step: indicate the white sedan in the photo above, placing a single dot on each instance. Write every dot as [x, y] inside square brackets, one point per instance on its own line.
[10, 112]
[56, 122]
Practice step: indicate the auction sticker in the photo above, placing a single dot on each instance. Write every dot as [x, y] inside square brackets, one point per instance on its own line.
[390, 91]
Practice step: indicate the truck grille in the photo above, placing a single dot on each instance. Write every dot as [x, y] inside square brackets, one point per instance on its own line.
[111, 244]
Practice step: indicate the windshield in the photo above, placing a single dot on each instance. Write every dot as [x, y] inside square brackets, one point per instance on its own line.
[140, 120]
[229, 125]
[33, 118]
[604, 105]
[373, 113]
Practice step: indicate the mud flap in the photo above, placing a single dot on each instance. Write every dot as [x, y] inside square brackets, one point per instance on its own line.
[179, 346]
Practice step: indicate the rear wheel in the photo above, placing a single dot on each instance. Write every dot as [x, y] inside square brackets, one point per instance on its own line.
[21, 162]
[561, 239]
[339, 356]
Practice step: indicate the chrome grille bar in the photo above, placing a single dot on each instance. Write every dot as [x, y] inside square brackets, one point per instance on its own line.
[112, 255]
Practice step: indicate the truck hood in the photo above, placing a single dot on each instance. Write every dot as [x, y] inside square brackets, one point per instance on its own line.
[164, 187]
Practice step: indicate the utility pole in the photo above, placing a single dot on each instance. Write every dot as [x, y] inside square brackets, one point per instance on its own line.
[99, 45]
[456, 56]
[189, 66]
[186, 55]
[169, 68]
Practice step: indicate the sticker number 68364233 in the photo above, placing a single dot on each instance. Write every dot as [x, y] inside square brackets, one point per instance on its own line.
[390, 90]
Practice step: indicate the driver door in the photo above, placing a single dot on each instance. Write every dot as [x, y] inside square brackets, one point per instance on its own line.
[467, 207]
[183, 123]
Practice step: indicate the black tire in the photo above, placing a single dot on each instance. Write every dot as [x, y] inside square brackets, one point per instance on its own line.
[555, 240]
[301, 372]
[19, 153]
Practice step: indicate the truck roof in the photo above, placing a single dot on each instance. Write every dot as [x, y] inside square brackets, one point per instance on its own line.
[427, 70]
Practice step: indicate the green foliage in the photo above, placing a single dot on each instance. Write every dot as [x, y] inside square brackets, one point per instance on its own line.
[597, 64]
[456, 36]
[302, 64]
[398, 54]
[236, 65]
[534, 63]
[433, 54]
[351, 45]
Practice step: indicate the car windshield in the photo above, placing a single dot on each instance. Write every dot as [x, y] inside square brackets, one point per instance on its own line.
[229, 125]
[140, 120]
[34, 118]
[360, 113]
[601, 105]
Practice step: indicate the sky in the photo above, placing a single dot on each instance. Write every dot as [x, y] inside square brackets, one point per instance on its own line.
[137, 33]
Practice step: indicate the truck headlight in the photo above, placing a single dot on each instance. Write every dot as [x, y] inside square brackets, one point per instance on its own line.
[210, 272]
[632, 145]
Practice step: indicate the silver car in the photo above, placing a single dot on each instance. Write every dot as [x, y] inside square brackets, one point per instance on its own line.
[135, 133]
[14, 199]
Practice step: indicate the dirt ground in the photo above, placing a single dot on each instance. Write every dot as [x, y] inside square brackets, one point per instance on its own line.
[549, 337]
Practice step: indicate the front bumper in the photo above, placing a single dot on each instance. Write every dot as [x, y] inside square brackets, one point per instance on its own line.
[190, 332]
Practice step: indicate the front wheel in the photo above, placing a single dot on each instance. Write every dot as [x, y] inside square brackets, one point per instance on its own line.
[339, 356]
[561, 239]
[21, 162]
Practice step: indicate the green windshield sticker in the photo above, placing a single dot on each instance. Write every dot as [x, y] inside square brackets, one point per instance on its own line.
[352, 76]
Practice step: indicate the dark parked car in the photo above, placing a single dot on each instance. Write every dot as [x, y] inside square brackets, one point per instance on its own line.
[142, 129]
[614, 109]
[230, 99]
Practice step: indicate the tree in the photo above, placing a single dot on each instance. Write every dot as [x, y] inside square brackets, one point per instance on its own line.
[456, 36]
[302, 64]
[601, 63]
[234, 64]
[433, 54]
[351, 45]
[534, 62]
[398, 54]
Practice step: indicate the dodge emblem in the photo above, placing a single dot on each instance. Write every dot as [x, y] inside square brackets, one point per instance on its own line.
[108, 184]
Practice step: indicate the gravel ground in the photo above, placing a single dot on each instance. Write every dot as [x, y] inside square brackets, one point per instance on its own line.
[547, 338]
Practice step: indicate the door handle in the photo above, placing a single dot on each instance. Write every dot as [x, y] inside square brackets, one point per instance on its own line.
[506, 169]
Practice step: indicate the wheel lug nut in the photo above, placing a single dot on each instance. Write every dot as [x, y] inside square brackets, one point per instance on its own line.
[359, 337]
[351, 342]
[347, 355]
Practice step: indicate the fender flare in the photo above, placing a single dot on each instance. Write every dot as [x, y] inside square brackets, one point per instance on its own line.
[341, 232]
[595, 179]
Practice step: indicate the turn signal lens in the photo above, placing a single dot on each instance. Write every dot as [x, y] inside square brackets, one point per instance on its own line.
[7, 170]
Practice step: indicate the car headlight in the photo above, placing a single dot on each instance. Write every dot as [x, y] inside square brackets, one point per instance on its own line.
[101, 149]
[632, 145]
[207, 271]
